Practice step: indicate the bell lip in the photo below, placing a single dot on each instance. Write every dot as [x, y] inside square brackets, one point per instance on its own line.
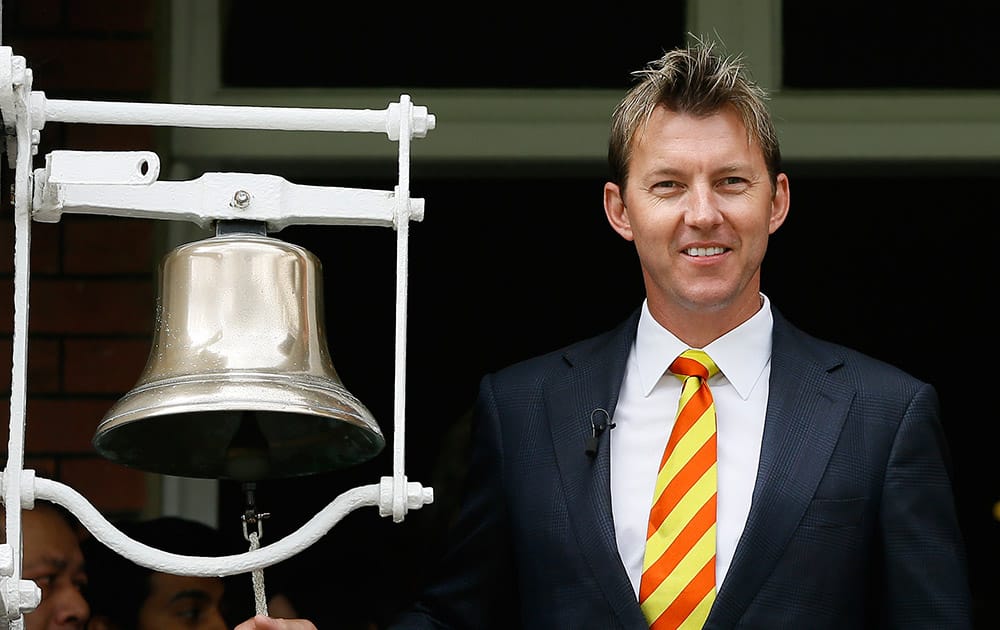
[232, 391]
[314, 398]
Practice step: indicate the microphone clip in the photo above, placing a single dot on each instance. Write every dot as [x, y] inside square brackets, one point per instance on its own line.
[600, 421]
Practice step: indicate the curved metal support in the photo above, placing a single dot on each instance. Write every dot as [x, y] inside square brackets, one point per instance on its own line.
[152, 558]
[177, 564]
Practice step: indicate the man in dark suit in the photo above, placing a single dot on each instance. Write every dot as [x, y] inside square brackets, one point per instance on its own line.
[829, 503]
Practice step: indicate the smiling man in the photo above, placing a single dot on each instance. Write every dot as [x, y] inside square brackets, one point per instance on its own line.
[706, 463]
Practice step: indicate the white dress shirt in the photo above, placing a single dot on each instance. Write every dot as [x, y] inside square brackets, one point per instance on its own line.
[644, 418]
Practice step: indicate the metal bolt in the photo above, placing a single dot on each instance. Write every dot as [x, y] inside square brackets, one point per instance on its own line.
[241, 199]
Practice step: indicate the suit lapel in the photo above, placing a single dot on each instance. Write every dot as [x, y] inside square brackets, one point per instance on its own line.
[804, 419]
[592, 380]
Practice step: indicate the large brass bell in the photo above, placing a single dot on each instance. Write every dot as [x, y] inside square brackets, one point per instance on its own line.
[239, 383]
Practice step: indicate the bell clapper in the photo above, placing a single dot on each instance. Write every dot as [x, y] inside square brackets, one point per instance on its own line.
[253, 531]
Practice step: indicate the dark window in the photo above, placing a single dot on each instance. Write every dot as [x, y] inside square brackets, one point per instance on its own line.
[502, 45]
[864, 44]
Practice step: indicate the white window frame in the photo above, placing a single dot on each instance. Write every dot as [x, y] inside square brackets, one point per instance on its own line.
[559, 125]
[513, 125]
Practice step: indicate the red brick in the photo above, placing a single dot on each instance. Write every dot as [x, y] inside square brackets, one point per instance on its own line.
[61, 66]
[110, 487]
[88, 307]
[103, 365]
[7, 245]
[7, 360]
[37, 14]
[53, 139]
[110, 137]
[119, 16]
[44, 360]
[43, 466]
[43, 365]
[60, 426]
[108, 245]
[45, 244]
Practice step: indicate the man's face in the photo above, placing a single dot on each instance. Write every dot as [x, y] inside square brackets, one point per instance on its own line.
[52, 558]
[182, 602]
[699, 205]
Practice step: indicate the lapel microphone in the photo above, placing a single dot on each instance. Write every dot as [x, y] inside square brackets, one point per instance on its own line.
[600, 421]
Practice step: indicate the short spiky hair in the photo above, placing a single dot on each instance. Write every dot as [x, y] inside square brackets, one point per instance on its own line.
[695, 80]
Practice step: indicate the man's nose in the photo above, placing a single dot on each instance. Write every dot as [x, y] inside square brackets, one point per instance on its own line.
[215, 621]
[702, 207]
[70, 606]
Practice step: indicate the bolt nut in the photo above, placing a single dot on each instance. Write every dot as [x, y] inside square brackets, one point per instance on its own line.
[241, 199]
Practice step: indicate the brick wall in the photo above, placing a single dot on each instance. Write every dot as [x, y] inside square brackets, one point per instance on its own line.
[91, 290]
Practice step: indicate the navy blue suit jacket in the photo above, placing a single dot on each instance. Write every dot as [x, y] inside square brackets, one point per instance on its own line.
[852, 522]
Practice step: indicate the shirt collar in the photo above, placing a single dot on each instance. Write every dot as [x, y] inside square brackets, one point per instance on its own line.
[741, 354]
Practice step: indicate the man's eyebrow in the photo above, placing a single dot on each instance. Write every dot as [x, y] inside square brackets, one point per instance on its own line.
[733, 167]
[666, 171]
[192, 593]
[50, 562]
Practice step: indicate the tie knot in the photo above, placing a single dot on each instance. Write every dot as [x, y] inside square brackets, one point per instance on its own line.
[694, 363]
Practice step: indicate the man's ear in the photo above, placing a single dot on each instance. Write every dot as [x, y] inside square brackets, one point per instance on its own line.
[615, 210]
[779, 203]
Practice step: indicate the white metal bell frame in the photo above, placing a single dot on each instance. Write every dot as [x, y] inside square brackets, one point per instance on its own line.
[124, 184]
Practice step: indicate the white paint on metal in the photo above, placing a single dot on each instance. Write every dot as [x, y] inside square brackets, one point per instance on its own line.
[228, 116]
[125, 184]
[379, 495]
[102, 167]
[209, 198]
[18, 597]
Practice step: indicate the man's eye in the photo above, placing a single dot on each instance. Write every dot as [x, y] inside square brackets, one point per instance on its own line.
[733, 181]
[190, 615]
[43, 581]
[668, 185]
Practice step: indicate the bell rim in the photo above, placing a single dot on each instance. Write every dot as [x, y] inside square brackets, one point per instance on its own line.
[160, 402]
[255, 392]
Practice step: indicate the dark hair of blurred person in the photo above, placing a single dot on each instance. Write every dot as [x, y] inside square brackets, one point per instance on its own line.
[126, 596]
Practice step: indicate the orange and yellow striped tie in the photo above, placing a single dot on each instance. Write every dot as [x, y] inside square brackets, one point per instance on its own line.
[678, 569]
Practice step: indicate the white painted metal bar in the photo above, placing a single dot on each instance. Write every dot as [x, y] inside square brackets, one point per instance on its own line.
[402, 263]
[310, 532]
[157, 560]
[69, 184]
[18, 595]
[226, 116]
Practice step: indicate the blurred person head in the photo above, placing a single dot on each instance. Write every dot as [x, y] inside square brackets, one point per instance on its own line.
[126, 596]
[52, 558]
